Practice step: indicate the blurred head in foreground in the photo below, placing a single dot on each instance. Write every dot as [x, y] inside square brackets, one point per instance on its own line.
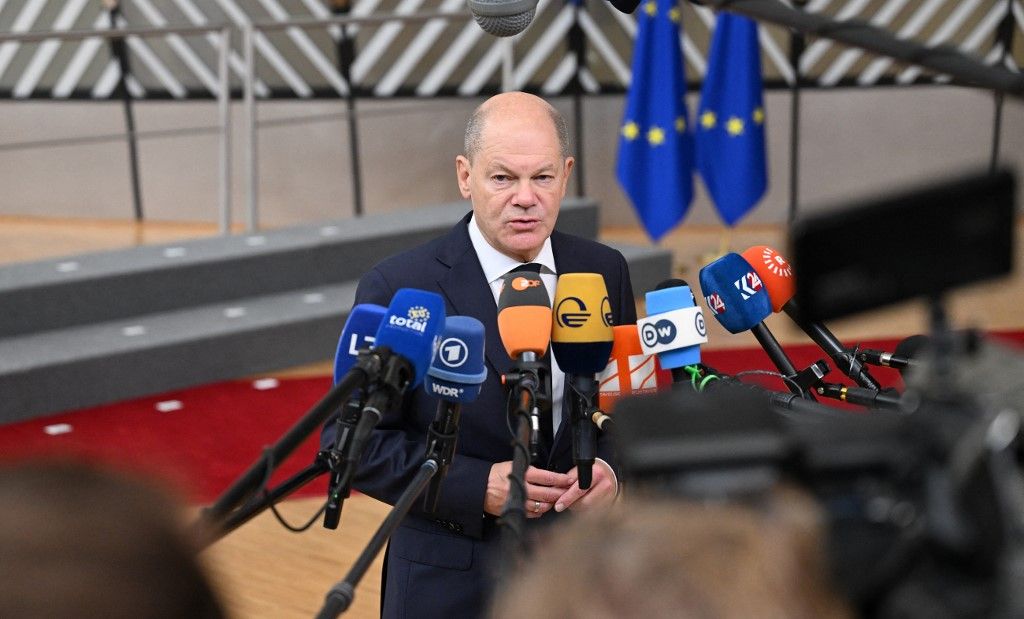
[667, 558]
[78, 541]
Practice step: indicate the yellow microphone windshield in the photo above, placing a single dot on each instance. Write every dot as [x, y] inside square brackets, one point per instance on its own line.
[582, 312]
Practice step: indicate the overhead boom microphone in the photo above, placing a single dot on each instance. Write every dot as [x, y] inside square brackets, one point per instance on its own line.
[503, 18]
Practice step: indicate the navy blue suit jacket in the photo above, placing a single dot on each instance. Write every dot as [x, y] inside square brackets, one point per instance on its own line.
[436, 563]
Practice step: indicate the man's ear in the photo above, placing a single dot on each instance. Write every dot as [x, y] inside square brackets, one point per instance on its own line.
[569, 163]
[462, 175]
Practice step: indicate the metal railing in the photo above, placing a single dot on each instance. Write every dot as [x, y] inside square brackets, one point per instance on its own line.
[223, 92]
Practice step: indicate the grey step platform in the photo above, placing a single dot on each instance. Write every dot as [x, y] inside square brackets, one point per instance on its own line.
[188, 340]
[108, 285]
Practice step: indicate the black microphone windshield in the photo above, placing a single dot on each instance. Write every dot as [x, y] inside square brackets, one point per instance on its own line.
[503, 18]
[625, 6]
[671, 283]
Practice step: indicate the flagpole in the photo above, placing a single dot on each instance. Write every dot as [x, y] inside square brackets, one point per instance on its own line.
[1004, 36]
[797, 43]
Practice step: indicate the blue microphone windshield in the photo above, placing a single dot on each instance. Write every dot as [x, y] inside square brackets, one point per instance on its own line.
[667, 300]
[734, 293]
[458, 370]
[410, 328]
[359, 332]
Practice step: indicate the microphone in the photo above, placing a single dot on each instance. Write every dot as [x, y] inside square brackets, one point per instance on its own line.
[674, 328]
[455, 376]
[358, 334]
[630, 371]
[581, 341]
[524, 325]
[503, 18]
[737, 298]
[777, 277]
[409, 333]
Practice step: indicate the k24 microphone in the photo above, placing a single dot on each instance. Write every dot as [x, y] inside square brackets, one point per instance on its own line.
[581, 341]
[736, 296]
[455, 376]
[630, 370]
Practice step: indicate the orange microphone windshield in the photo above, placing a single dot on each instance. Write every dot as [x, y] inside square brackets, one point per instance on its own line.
[629, 370]
[524, 316]
[775, 272]
[581, 335]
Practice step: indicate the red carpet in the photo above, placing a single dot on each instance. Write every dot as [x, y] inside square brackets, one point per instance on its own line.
[201, 439]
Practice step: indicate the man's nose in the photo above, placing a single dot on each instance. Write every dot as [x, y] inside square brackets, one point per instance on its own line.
[525, 195]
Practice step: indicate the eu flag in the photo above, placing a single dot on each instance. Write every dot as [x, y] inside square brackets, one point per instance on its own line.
[730, 120]
[655, 165]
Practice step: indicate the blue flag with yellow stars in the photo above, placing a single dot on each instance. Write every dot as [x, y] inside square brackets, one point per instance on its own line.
[655, 165]
[730, 120]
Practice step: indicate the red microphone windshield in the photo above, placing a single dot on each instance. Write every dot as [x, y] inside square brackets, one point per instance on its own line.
[775, 272]
[629, 370]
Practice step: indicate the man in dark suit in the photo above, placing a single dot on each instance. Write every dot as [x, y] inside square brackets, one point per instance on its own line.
[515, 171]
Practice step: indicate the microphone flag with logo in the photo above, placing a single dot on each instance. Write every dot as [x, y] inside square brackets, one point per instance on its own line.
[730, 120]
[674, 328]
[630, 371]
[655, 159]
[458, 370]
[775, 274]
[411, 326]
[581, 337]
[734, 293]
[359, 332]
[524, 313]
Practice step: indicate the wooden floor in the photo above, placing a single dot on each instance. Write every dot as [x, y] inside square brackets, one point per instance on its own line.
[266, 572]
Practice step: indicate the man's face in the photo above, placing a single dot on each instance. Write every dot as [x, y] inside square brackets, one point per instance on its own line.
[516, 182]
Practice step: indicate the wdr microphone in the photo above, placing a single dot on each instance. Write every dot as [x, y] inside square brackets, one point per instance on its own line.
[674, 327]
[503, 18]
[736, 296]
[581, 341]
[455, 377]
[777, 276]
[630, 370]
[358, 334]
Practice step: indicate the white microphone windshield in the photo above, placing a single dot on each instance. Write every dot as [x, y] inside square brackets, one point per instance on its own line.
[503, 18]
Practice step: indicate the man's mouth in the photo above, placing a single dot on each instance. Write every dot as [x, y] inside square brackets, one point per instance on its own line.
[523, 224]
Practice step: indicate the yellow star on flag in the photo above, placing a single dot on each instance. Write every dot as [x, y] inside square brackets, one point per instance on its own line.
[680, 124]
[655, 136]
[630, 130]
[759, 116]
[674, 14]
[708, 120]
[651, 8]
[734, 126]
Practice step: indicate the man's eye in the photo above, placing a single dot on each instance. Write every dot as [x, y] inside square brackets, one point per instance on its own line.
[544, 178]
[501, 178]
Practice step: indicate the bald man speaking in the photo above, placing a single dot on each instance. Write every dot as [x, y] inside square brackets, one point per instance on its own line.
[515, 171]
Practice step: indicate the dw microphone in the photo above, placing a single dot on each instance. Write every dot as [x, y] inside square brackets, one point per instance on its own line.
[674, 328]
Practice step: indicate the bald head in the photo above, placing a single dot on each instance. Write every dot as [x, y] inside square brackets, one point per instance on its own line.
[513, 107]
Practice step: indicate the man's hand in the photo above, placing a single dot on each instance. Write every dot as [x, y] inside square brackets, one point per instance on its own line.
[602, 491]
[543, 488]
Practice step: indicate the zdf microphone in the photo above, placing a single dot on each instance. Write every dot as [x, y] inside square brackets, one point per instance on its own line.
[524, 314]
[455, 376]
[581, 341]
[503, 18]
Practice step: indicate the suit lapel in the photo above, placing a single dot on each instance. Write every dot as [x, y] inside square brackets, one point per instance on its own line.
[469, 294]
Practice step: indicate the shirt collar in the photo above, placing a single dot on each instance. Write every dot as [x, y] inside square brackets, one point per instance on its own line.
[495, 264]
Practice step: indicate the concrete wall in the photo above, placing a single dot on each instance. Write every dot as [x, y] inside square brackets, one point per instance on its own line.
[855, 142]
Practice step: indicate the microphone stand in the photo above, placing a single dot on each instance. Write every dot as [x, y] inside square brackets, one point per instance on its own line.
[218, 519]
[527, 395]
[440, 449]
